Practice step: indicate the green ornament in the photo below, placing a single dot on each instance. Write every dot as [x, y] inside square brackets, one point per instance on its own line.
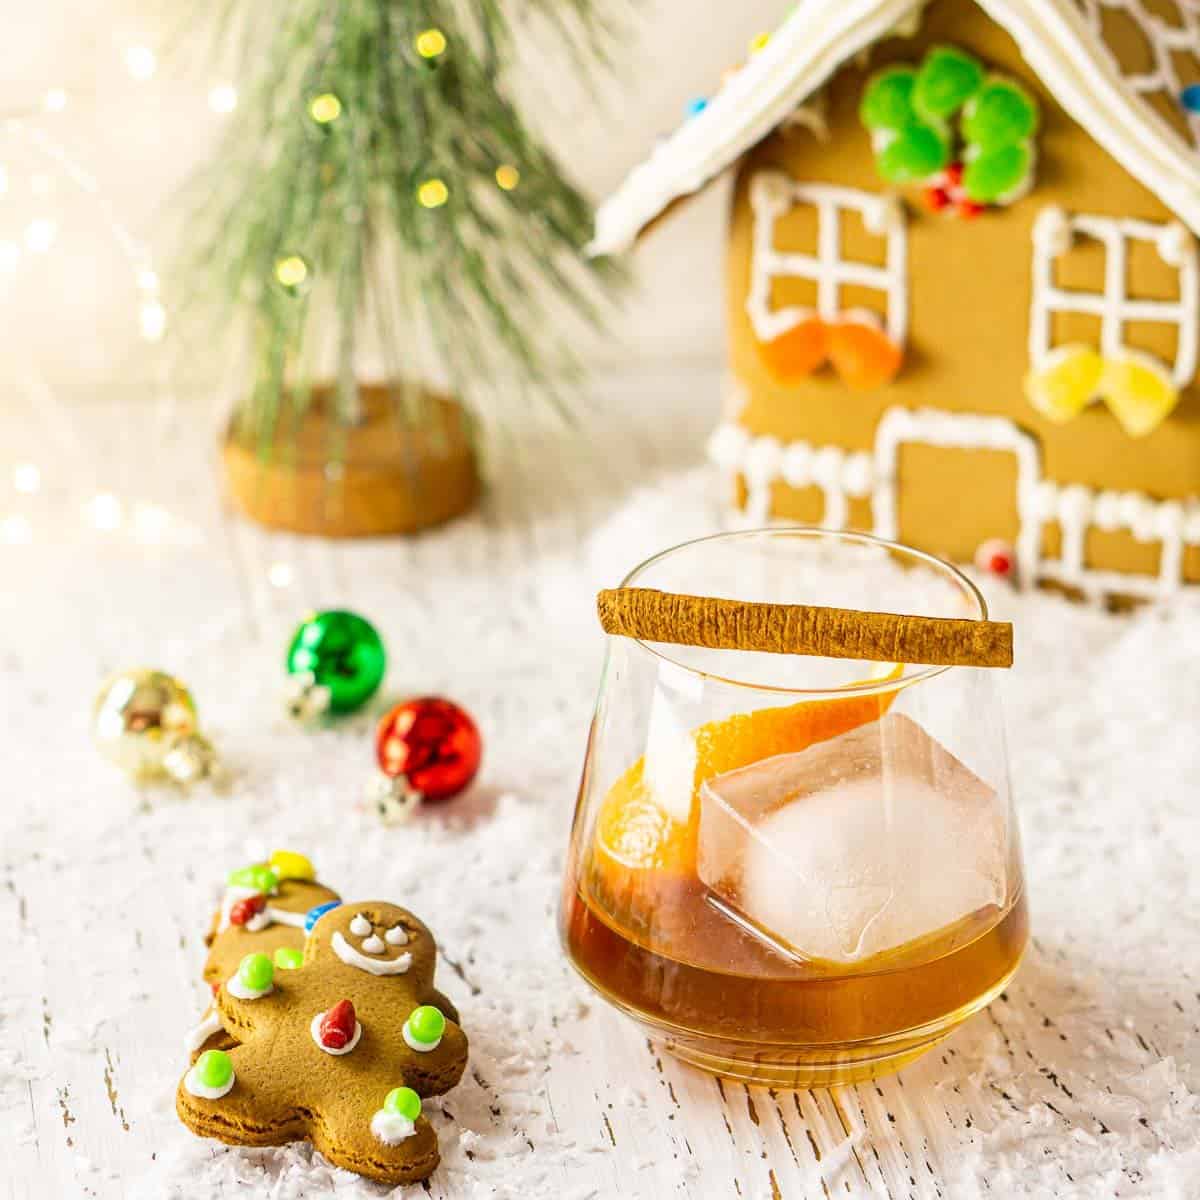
[213, 1069]
[1001, 113]
[995, 174]
[341, 654]
[261, 878]
[288, 958]
[404, 1102]
[919, 152]
[946, 81]
[256, 972]
[887, 102]
[426, 1024]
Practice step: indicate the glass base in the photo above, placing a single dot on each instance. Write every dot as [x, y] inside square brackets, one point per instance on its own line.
[819, 1066]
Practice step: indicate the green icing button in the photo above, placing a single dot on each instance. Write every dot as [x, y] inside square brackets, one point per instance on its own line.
[287, 958]
[260, 878]
[1001, 113]
[256, 972]
[426, 1024]
[917, 153]
[946, 81]
[404, 1101]
[995, 174]
[213, 1069]
[887, 102]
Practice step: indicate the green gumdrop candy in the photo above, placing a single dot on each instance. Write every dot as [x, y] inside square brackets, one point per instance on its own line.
[260, 878]
[1002, 112]
[887, 102]
[404, 1101]
[213, 1068]
[946, 81]
[256, 972]
[919, 152]
[426, 1023]
[992, 175]
[288, 958]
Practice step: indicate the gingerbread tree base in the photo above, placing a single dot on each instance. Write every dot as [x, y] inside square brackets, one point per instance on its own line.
[380, 476]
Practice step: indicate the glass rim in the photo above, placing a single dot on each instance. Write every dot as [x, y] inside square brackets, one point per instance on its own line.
[865, 687]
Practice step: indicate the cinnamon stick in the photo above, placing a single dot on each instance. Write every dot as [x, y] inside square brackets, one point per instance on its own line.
[718, 624]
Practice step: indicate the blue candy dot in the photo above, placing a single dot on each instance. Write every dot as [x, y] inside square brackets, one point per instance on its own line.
[315, 914]
[1190, 97]
[696, 106]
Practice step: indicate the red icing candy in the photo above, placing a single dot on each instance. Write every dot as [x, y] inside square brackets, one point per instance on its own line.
[337, 1025]
[246, 908]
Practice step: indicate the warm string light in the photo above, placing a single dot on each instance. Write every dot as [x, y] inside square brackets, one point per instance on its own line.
[291, 270]
[430, 43]
[325, 108]
[141, 62]
[280, 575]
[222, 98]
[27, 479]
[507, 177]
[433, 193]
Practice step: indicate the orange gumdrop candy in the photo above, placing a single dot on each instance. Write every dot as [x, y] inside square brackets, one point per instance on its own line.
[640, 851]
[863, 356]
[798, 351]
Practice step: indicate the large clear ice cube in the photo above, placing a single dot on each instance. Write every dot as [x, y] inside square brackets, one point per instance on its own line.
[855, 845]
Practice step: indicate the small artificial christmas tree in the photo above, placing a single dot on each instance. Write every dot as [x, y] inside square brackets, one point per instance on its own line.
[379, 189]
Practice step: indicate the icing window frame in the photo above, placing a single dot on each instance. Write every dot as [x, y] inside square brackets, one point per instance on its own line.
[772, 195]
[1054, 233]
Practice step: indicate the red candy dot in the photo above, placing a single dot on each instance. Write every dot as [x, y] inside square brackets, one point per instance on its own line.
[337, 1025]
[936, 199]
[954, 174]
[245, 909]
[216, 987]
[969, 209]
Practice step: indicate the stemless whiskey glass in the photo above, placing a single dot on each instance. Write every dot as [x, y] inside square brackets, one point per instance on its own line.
[796, 871]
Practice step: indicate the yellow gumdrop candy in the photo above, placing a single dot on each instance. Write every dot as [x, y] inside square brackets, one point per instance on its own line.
[1068, 380]
[1139, 392]
[287, 864]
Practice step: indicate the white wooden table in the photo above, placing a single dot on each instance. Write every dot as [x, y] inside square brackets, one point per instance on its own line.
[1082, 1081]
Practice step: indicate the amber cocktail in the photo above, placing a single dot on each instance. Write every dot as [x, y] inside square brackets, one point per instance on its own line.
[795, 872]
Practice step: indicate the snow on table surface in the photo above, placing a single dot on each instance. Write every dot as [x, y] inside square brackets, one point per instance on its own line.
[1081, 1081]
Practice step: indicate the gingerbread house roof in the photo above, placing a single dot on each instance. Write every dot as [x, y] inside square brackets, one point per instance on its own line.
[1115, 66]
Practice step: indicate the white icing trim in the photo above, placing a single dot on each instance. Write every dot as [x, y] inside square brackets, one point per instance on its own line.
[772, 195]
[1054, 232]
[1060, 43]
[373, 966]
[235, 987]
[191, 1081]
[391, 1128]
[199, 1033]
[839, 473]
[419, 1047]
[314, 1028]
[281, 916]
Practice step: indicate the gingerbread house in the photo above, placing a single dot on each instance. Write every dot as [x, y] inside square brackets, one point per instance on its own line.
[963, 287]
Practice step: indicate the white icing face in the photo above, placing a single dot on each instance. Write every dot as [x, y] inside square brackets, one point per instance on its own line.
[373, 966]
[315, 1029]
[374, 944]
[360, 926]
[396, 936]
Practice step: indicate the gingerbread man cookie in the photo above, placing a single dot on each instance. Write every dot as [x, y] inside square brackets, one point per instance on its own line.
[263, 910]
[338, 1051]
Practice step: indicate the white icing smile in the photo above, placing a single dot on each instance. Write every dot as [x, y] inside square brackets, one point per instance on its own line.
[315, 1029]
[373, 966]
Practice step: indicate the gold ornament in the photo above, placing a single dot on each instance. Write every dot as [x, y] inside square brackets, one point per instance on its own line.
[145, 722]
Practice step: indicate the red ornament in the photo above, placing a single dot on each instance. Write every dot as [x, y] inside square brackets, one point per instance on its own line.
[432, 743]
[338, 1025]
[996, 557]
[241, 911]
